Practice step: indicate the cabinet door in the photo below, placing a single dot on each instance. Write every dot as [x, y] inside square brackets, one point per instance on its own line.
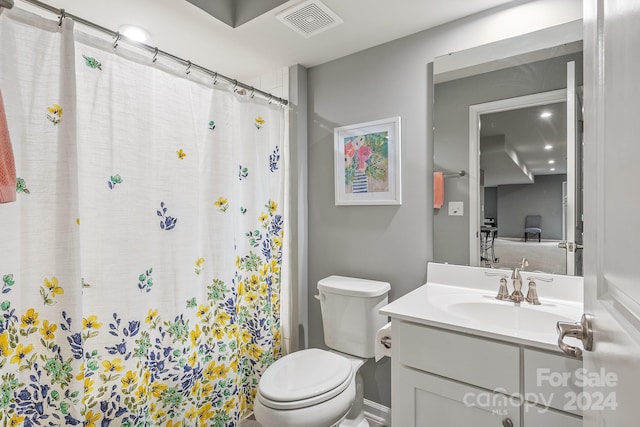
[535, 416]
[425, 400]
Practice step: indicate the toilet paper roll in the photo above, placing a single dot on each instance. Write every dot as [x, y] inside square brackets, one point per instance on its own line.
[383, 342]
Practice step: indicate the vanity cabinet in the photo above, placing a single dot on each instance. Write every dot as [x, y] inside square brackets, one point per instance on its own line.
[443, 378]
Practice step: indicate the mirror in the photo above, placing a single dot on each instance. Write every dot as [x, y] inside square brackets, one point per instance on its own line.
[494, 147]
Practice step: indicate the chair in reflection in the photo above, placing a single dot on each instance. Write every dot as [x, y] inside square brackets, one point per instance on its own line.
[533, 225]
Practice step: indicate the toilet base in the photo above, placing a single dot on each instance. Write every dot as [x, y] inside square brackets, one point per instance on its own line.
[355, 417]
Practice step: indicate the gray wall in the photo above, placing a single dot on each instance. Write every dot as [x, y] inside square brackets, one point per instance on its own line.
[390, 243]
[491, 202]
[544, 198]
[451, 145]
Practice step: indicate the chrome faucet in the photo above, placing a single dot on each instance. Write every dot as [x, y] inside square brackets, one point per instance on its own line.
[516, 295]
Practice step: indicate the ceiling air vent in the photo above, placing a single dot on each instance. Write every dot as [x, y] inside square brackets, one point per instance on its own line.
[309, 18]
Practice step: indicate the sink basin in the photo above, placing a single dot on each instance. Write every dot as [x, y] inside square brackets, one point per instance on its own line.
[485, 311]
[508, 315]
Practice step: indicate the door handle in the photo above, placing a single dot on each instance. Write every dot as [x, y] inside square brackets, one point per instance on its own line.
[507, 422]
[570, 246]
[581, 330]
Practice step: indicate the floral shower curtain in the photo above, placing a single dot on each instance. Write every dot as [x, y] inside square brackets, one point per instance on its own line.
[141, 264]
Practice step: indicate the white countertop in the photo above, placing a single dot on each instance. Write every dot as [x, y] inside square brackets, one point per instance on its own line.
[466, 303]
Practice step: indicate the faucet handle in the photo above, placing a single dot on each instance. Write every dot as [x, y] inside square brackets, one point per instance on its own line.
[503, 292]
[541, 278]
[532, 293]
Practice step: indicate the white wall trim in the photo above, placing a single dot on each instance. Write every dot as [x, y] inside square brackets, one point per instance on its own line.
[474, 154]
[377, 413]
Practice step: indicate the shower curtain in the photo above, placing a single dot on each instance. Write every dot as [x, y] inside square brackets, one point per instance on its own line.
[141, 265]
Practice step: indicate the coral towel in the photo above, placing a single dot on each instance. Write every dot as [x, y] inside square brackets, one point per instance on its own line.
[7, 163]
[438, 189]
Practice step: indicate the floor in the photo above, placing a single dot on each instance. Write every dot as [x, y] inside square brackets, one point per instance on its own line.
[544, 256]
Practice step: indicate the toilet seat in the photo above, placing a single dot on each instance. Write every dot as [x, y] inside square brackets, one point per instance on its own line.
[304, 378]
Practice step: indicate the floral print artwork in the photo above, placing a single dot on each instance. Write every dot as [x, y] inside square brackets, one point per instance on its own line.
[181, 154]
[55, 114]
[212, 125]
[366, 163]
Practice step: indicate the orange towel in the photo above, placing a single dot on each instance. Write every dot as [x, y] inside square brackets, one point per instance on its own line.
[438, 189]
[7, 163]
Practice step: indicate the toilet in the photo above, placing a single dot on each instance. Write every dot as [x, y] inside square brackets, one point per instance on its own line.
[322, 388]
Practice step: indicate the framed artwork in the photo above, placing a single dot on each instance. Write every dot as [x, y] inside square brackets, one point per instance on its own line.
[367, 163]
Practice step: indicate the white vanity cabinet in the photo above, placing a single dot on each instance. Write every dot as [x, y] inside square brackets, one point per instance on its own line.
[443, 378]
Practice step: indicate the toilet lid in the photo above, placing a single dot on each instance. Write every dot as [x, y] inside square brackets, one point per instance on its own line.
[303, 375]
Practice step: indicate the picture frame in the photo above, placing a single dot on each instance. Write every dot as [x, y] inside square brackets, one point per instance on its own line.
[367, 163]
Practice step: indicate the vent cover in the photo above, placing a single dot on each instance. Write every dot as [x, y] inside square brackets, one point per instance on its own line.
[309, 18]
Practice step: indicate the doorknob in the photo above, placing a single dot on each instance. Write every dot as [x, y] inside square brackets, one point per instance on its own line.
[582, 331]
[562, 245]
[507, 422]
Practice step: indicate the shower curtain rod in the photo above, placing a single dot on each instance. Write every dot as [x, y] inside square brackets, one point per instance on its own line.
[63, 14]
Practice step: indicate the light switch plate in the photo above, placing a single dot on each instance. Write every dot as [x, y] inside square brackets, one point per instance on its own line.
[456, 208]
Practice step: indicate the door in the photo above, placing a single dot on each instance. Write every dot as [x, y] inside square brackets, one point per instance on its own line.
[612, 207]
[572, 168]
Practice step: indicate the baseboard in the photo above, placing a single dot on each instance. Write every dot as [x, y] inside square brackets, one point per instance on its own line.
[377, 413]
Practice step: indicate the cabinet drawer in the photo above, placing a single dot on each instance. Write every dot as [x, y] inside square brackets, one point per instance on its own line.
[427, 400]
[484, 363]
[536, 416]
[549, 380]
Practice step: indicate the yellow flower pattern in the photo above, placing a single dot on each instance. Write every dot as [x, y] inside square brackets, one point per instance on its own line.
[194, 369]
[55, 114]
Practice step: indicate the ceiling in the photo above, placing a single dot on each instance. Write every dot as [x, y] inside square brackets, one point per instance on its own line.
[525, 133]
[264, 44]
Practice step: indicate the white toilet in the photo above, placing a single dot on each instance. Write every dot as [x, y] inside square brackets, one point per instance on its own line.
[320, 388]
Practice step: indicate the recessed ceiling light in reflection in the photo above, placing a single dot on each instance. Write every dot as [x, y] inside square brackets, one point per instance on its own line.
[545, 114]
[552, 169]
[548, 147]
[551, 162]
[134, 33]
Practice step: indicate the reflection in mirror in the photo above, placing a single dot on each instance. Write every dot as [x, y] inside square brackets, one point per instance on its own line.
[505, 122]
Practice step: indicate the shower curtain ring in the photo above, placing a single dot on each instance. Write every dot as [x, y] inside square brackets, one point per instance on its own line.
[235, 86]
[155, 55]
[188, 70]
[115, 42]
[63, 15]
[215, 79]
[270, 98]
[253, 92]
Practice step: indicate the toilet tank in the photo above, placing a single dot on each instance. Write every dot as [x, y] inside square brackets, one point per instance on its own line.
[350, 313]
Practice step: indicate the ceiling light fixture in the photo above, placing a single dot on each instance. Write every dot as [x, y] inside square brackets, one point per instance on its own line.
[552, 169]
[134, 33]
[548, 147]
[545, 114]
[551, 162]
